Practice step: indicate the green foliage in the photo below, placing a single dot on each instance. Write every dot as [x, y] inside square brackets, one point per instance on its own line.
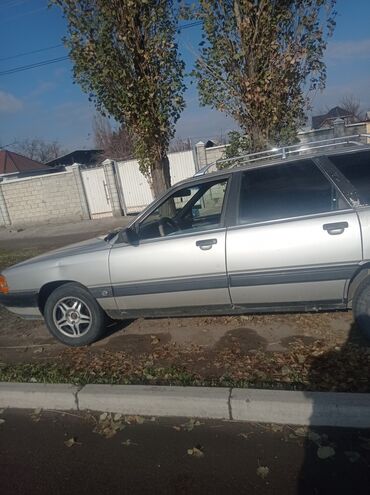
[239, 144]
[260, 62]
[126, 58]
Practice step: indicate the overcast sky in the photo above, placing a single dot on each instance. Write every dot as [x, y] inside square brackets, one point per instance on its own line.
[43, 102]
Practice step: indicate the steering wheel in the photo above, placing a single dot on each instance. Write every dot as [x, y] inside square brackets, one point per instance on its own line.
[169, 222]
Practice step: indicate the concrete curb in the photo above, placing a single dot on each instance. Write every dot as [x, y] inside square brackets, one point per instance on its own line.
[263, 406]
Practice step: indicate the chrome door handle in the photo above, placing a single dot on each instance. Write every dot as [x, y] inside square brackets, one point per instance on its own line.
[335, 228]
[206, 244]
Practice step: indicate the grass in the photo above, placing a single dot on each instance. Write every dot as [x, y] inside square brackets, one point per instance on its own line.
[171, 376]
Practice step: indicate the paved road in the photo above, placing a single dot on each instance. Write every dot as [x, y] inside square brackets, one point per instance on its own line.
[153, 458]
[54, 235]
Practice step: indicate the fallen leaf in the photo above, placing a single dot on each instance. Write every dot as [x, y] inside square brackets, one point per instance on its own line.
[71, 441]
[177, 428]
[155, 340]
[196, 452]
[191, 424]
[352, 455]
[117, 417]
[325, 452]
[300, 431]
[244, 435]
[103, 416]
[263, 471]
[128, 442]
[314, 437]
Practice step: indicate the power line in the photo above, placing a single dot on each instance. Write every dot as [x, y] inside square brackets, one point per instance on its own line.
[185, 26]
[58, 59]
[32, 66]
[31, 52]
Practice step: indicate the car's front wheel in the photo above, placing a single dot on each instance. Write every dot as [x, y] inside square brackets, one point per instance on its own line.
[73, 316]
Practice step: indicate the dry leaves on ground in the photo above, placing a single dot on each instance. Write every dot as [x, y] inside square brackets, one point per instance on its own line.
[196, 452]
[263, 471]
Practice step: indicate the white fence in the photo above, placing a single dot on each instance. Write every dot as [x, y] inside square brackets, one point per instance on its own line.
[135, 187]
[112, 189]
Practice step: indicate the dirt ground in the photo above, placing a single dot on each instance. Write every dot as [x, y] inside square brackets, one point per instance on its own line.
[25, 341]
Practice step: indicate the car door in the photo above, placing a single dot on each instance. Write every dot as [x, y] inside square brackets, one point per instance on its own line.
[297, 240]
[178, 264]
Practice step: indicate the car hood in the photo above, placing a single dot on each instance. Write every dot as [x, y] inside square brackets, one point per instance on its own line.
[88, 246]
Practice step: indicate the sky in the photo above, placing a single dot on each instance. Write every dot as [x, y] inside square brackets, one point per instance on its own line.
[44, 102]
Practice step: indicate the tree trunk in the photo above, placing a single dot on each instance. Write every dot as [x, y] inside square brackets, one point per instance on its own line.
[160, 175]
[258, 140]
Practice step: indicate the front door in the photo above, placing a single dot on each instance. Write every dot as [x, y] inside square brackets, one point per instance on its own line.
[178, 265]
[297, 241]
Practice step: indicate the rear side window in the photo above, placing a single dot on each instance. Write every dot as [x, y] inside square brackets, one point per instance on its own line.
[287, 190]
[356, 168]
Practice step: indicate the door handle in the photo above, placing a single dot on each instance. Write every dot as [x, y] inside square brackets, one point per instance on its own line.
[106, 192]
[206, 244]
[335, 228]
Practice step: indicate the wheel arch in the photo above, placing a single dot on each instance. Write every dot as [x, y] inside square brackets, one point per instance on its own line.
[50, 287]
[359, 277]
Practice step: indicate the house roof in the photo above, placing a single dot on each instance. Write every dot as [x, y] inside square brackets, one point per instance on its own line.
[334, 113]
[84, 157]
[11, 162]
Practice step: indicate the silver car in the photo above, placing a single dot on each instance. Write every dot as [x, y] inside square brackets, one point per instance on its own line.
[292, 235]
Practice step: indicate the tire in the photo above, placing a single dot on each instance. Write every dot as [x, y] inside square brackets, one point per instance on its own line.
[73, 316]
[361, 307]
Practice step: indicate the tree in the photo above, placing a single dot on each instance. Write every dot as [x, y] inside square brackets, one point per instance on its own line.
[180, 145]
[39, 150]
[352, 105]
[125, 56]
[257, 60]
[115, 143]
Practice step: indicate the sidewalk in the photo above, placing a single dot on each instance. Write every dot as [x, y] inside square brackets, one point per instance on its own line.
[54, 235]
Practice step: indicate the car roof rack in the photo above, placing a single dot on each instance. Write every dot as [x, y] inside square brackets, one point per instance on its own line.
[285, 152]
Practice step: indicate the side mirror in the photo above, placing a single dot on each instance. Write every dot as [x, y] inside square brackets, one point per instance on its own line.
[130, 236]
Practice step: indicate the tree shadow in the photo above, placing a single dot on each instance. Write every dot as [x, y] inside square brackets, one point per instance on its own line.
[345, 470]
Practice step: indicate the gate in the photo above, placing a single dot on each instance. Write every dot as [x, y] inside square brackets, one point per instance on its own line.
[97, 193]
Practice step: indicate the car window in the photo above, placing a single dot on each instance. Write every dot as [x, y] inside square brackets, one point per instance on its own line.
[356, 168]
[286, 190]
[191, 209]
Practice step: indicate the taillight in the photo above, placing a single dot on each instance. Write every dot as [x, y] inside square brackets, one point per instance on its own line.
[4, 289]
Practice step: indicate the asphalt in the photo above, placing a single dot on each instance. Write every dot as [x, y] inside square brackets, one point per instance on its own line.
[54, 235]
[153, 457]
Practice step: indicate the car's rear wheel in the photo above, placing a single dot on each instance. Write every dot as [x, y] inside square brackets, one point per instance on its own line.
[73, 316]
[361, 307]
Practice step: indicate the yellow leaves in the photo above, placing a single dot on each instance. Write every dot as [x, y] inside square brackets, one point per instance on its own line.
[196, 452]
[71, 442]
[263, 471]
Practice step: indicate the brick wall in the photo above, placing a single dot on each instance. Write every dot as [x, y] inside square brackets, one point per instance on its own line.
[46, 198]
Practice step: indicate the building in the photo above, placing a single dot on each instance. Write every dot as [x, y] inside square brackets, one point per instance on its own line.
[13, 164]
[327, 119]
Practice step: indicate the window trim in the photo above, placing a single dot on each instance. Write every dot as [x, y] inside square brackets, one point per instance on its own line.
[292, 218]
[222, 226]
[348, 190]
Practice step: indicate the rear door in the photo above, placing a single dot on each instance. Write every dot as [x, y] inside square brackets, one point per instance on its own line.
[297, 240]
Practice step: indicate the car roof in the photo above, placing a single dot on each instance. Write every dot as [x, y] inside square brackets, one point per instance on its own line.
[271, 162]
